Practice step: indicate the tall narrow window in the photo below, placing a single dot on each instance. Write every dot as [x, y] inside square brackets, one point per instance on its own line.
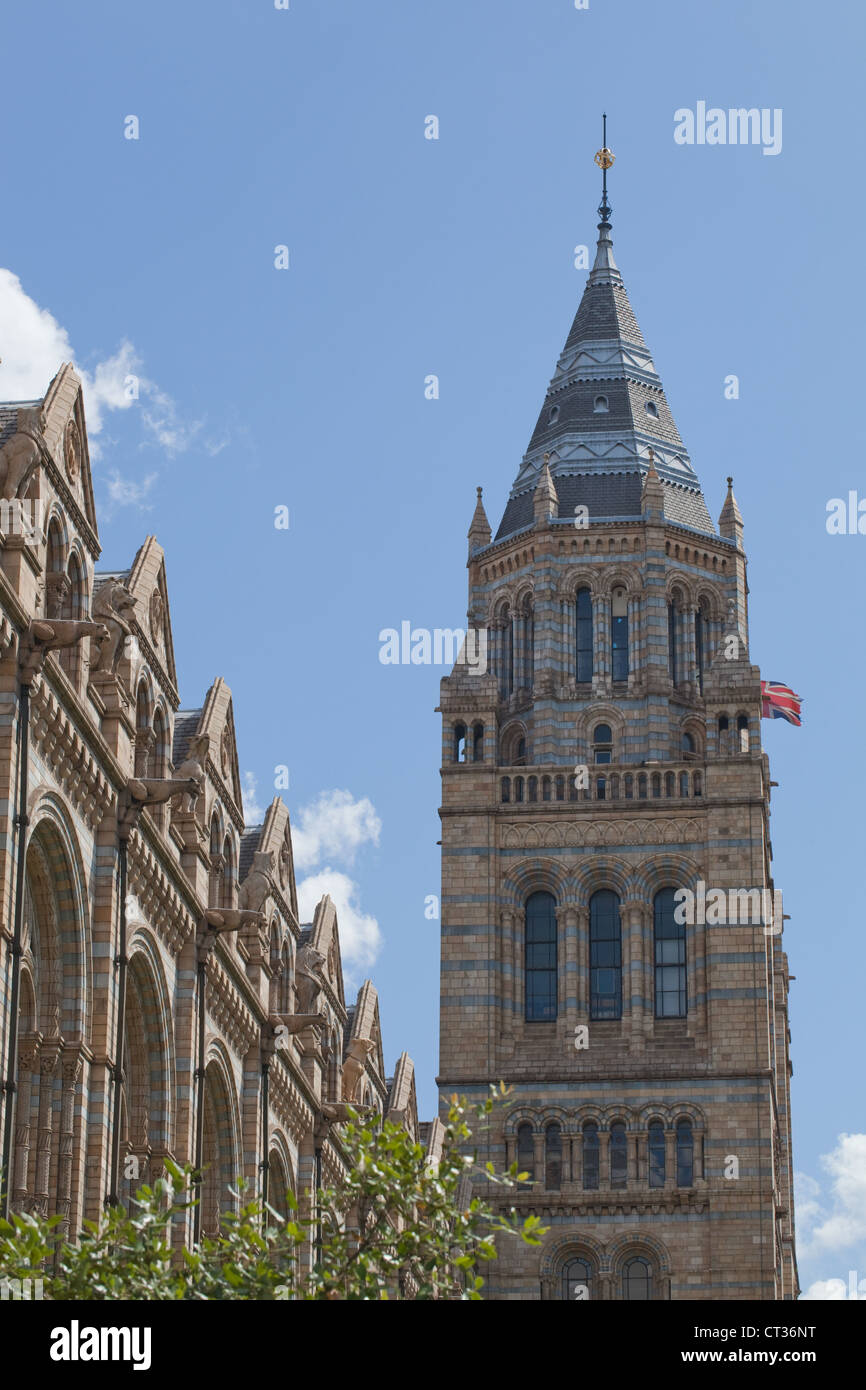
[583, 643]
[553, 1158]
[589, 1151]
[618, 1155]
[670, 957]
[743, 732]
[459, 743]
[602, 743]
[527, 626]
[605, 955]
[637, 1280]
[656, 1148]
[540, 957]
[575, 1281]
[619, 635]
[685, 1154]
[478, 743]
[509, 655]
[526, 1152]
[702, 624]
[672, 643]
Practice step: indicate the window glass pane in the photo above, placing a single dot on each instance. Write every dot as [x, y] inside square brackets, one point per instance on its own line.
[656, 1155]
[605, 955]
[670, 957]
[541, 957]
[619, 648]
[590, 1156]
[637, 1280]
[584, 635]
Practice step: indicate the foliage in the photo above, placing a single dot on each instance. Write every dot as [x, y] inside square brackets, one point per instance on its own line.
[396, 1227]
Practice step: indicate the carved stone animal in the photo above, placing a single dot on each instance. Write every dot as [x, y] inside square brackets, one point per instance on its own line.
[255, 888]
[308, 978]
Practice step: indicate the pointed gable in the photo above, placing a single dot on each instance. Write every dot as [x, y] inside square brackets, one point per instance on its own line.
[217, 721]
[65, 434]
[326, 939]
[365, 1024]
[274, 836]
[146, 582]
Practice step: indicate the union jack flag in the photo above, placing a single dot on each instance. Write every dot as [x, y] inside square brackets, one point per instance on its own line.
[778, 701]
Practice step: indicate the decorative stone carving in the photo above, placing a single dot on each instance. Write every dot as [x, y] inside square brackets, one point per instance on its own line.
[115, 606]
[157, 615]
[255, 888]
[192, 770]
[296, 1023]
[308, 978]
[20, 454]
[72, 451]
[354, 1065]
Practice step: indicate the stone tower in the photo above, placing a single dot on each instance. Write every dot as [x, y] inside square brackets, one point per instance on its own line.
[611, 937]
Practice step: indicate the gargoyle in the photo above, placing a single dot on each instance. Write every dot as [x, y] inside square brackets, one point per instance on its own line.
[308, 978]
[296, 1023]
[43, 636]
[339, 1110]
[230, 919]
[150, 791]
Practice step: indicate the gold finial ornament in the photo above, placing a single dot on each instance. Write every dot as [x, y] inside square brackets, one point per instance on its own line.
[605, 158]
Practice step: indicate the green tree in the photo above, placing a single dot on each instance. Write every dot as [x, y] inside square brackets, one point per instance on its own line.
[397, 1227]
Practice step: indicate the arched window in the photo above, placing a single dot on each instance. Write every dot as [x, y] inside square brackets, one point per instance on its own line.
[583, 635]
[527, 643]
[74, 606]
[540, 957]
[143, 734]
[576, 1276]
[673, 663]
[459, 753]
[702, 627]
[656, 1151]
[506, 788]
[554, 415]
[533, 788]
[605, 955]
[590, 1151]
[743, 732]
[637, 1279]
[526, 1151]
[227, 898]
[602, 743]
[600, 405]
[553, 1157]
[618, 1155]
[670, 957]
[688, 745]
[685, 1154]
[478, 743]
[619, 635]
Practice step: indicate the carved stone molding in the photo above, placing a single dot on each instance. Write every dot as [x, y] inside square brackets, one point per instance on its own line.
[73, 764]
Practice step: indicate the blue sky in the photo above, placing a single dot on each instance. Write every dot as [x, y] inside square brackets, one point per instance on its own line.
[305, 387]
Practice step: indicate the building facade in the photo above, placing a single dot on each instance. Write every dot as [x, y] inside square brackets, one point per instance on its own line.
[606, 765]
[155, 970]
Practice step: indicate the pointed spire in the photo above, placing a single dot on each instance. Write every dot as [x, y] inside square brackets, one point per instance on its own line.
[545, 500]
[605, 270]
[731, 520]
[479, 530]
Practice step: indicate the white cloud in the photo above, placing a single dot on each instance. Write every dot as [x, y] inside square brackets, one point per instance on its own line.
[842, 1223]
[334, 827]
[34, 346]
[360, 937]
[253, 813]
[828, 1290]
[126, 492]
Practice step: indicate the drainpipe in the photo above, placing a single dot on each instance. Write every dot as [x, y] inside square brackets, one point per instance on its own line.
[34, 644]
[10, 1085]
[121, 960]
[265, 1163]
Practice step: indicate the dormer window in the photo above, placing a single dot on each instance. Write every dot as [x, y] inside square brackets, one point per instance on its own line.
[554, 415]
[652, 409]
[601, 405]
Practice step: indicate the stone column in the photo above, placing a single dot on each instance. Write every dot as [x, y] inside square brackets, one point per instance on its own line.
[45, 1134]
[604, 1160]
[635, 656]
[689, 651]
[508, 948]
[670, 1160]
[71, 1066]
[567, 919]
[581, 953]
[28, 1061]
